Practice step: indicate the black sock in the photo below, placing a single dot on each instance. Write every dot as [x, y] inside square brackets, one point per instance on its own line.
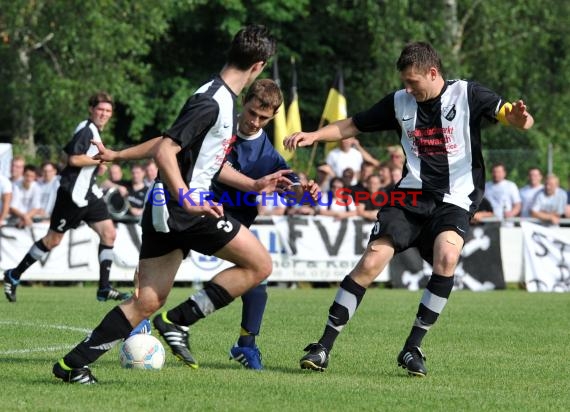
[109, 332]
[36, 252]
[200, 305]
[105, 262]
[433, 301]
[347, 299]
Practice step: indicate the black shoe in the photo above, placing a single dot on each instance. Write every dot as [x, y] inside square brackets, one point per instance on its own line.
[317, 359]
[82, 375]
[413, 359]
[112, 294]
[10, 285]
[176, 337]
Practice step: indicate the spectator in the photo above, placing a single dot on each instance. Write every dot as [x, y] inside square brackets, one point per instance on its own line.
[385, 175]
[528, 192]
[395, 173]
[336, 202]
[344, 156]
[26, 199]
[397, 156]
[550, 202]
[502, 193]
[324, 176]
[17, 169]
[115, 179]
[370, 207]
[136, 190]
[348, 177]
[567, 214]
[367, 169]
[5, 198]
[485, 210]
[49, 184]
[300, 208]
[150, 172]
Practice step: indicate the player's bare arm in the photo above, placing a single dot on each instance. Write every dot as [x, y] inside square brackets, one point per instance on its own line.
[81, 160]
[144, 150]
[165, 158]
[338, 130]
[231, 177]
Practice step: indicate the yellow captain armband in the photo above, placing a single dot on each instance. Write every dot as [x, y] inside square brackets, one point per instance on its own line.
[501, 115]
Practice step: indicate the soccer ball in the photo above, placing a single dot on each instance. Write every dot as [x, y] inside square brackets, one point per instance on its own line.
[142, 351]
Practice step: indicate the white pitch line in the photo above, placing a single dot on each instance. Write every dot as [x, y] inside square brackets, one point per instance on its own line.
[40, 326]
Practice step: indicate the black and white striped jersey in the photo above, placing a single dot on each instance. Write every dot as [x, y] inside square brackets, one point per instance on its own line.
[79, 182]
[205, 130]
[441, 138]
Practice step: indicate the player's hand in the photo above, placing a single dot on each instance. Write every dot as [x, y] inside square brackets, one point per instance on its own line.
[270, 183]
[313, 189]
[299, 139]
[205, 209]
[104, 155]
[518, 115]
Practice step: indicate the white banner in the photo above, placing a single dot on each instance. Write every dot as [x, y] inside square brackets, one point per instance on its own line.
[327, 254]
[546, 258]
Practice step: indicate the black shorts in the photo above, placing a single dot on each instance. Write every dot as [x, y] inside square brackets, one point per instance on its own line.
[418, 225]
[67, 215]
[206, 235]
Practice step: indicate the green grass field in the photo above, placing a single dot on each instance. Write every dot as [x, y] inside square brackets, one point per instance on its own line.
[493, 351]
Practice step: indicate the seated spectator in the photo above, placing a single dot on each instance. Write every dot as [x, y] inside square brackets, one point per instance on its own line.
[485, 210]
[396, 174]
[115, 179]
[136, 190]
[385, 174]
[549, 203]
[368, 209]
[347, 177]
[49, 184]
[26, 200]
[366, 170]
[502, 193]
[528, 192]
[5, 198]
[337, 203]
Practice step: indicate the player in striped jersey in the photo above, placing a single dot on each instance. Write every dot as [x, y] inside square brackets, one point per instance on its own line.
[438, 122]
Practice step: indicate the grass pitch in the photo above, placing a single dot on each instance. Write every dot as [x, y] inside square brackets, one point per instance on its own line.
[495, 351]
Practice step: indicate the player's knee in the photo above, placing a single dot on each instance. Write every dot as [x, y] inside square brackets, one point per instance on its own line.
[263, 268]
[447, 259]
[148, 303]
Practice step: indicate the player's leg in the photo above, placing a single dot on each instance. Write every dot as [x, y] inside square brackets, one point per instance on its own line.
[252, 265]
[349, 295]
[107, 233]
[155, 279]
[38, 251]
[445, 232]
[245, 351]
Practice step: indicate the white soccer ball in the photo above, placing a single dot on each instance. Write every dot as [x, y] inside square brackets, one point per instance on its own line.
[142, 351]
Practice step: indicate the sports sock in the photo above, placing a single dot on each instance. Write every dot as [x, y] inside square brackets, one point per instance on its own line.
[107, 334]
[433, 301]
[345, 303]
[254, 302]
[36, 252]
[200, 305]
[105, 262]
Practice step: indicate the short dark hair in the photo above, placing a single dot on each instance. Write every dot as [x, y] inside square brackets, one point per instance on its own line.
[30, 168]
[266, 92]
[100, 97]
[421, 56]
[250, 45]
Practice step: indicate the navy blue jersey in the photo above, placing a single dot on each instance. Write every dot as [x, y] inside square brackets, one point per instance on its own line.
[255, 157]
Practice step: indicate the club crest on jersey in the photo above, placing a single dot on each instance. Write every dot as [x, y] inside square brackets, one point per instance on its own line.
[449, 112]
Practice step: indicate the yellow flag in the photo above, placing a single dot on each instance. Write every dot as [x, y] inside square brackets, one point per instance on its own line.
[335, 106]
[280, 122]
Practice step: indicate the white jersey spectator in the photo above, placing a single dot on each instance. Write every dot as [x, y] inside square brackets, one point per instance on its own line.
[528, 192]
[49, 185]
[5, 198]
[550, 203]
[502, 193]
[26, 199]
[345, 157]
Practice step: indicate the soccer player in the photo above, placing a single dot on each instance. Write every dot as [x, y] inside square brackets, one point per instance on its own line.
[439, 125]
[78, 199]
[176, 218]
[254, 156]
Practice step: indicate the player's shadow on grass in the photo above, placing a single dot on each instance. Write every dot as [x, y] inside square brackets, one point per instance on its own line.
[233, 365]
